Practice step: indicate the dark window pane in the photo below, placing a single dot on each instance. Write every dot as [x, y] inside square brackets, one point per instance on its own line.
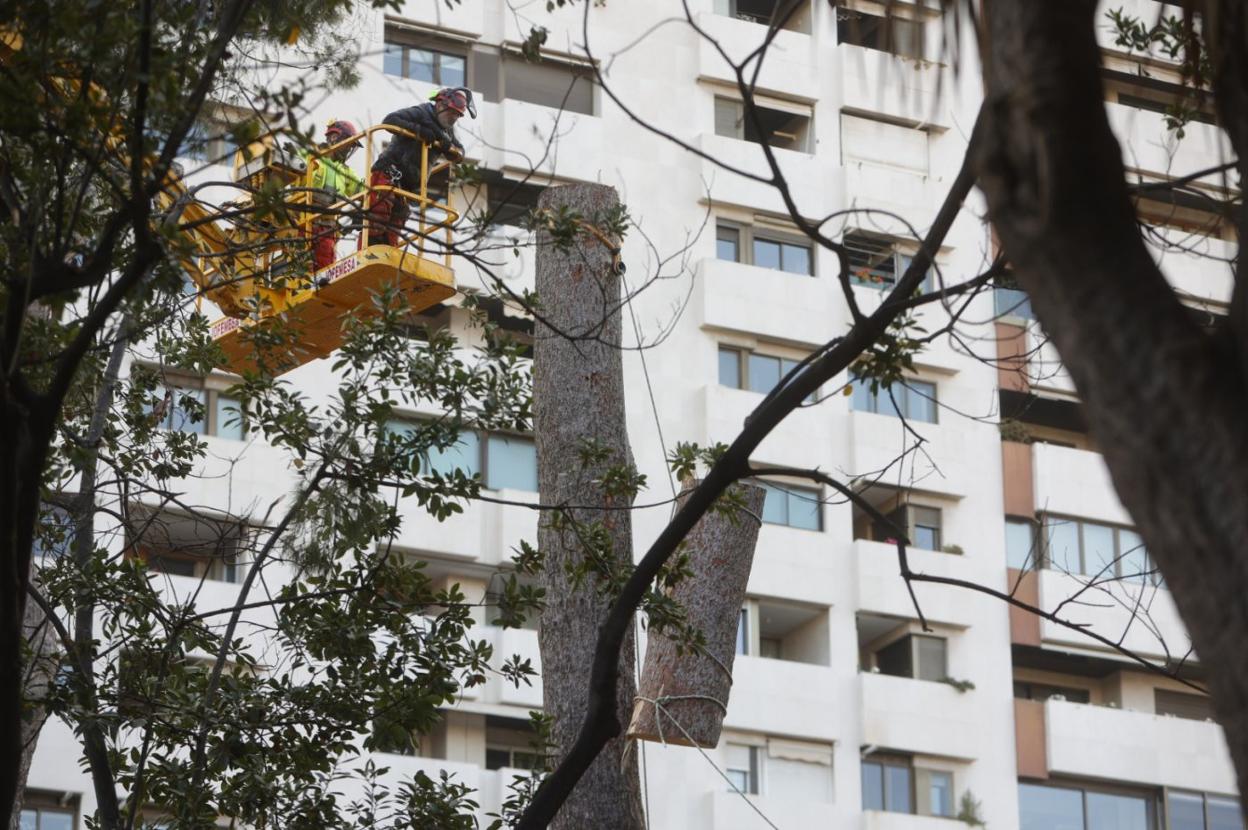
[392, 59]
[931, 656]
[512, 463]
[454, 71]
[728, 243]
[1107, 811]
[897, 796]
[1186, 811]
[1181, 705]
[872, 786]
[730, 368]
[764, 373]
[497, 758]
[895, 659]
[175, 565]
[796, 259]
[775, 505]
[1049, 808]
[767, 254]
[1224, 813]
[805, 510]
[548, 84]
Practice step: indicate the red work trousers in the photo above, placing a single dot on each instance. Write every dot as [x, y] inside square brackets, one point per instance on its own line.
[388, 214]
[324, 236]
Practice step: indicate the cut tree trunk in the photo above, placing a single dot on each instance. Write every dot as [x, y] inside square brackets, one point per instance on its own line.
[1166, 402]
[683, 697]
[578, 396]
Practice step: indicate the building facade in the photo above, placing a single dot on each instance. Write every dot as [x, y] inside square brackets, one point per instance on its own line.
[845, 711]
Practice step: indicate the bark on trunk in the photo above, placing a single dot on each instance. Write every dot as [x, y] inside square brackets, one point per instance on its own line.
[691, 689]
[1165, 401]
[578, 395]
[39, 672]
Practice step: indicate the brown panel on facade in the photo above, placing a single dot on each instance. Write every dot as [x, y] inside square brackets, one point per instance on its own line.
[1033, 760]
[1017, 480]
[1024, 625]
[1012, 357]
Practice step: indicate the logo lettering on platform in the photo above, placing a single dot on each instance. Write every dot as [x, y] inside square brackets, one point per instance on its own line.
[340, 270]
[224, 327]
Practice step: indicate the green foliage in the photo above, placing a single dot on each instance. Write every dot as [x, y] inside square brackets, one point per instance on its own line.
[969, 810]
[1016, 431]
[886, 361]
[1177, 39]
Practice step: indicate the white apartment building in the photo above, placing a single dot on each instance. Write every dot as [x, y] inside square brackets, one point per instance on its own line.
[844, 713]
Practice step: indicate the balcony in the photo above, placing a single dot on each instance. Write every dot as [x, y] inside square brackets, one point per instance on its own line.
[949, 466]
[881, 589]
[1044, 370]
[919, 716]
[518, 642]
[1149, 146]
[724, 809]
[484, 532]
[810, 181]
[1148, 625]
[1073, 482]
[467, 16]
[789, 69]
[778, 306]
[878, 820]
[780, 697]
[799, 565]
[526, 131]
[802, 439]
[1098, 742]
[1205, 272]
[879, 83]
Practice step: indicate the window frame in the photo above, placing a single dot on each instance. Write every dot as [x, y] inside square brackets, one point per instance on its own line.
[212, 394]
[871, 244]
[862, 393]
[753, 775]
[747, 234]
[482, 437]
[882, 761]
[813, 494]
[441, 47]
[914, 664]
[794, 142]
[1151, 577]
[883, 37]
[742, 355]
[1154, 799]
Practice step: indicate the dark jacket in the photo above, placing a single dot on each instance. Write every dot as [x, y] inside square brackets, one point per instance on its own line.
[403, 154]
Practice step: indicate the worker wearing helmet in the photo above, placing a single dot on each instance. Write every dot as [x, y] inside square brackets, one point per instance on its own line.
[331, 181]
[433, 123]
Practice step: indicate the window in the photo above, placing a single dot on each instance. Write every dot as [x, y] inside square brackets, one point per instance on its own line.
[1020, 540]
[504, 461]
[743, 632]
[877, 263]
[741, 767]
[510, 202]
[48, 811]
[762, 11]
[917, 656]
[407, 55]
[1094, 549]
[191, 546]
[511, 742]
[1026, 690]
[548, 83]
[746, 245]
[54, 534]
[921, 525]
[786, 504]
[1043, 807]
[934, 792]
[892, 34]
[920, 657]
[1182, 705]
[1202, 811]
[779, 124]
[757, 372]
[1011, 301]
[914, 400]
[1150, 93]
[780, 630]
[208, 142]
[199, 406]
[887, 784]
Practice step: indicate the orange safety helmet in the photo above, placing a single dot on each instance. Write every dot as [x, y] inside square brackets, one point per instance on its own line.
[336, 131]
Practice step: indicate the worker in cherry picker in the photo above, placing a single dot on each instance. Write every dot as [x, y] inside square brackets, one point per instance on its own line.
[398, 165]
[331, 182]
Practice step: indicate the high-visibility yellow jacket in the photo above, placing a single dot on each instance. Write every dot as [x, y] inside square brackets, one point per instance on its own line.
[334, 176]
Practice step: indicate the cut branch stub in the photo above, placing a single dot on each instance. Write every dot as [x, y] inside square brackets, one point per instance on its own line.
[683, 697]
